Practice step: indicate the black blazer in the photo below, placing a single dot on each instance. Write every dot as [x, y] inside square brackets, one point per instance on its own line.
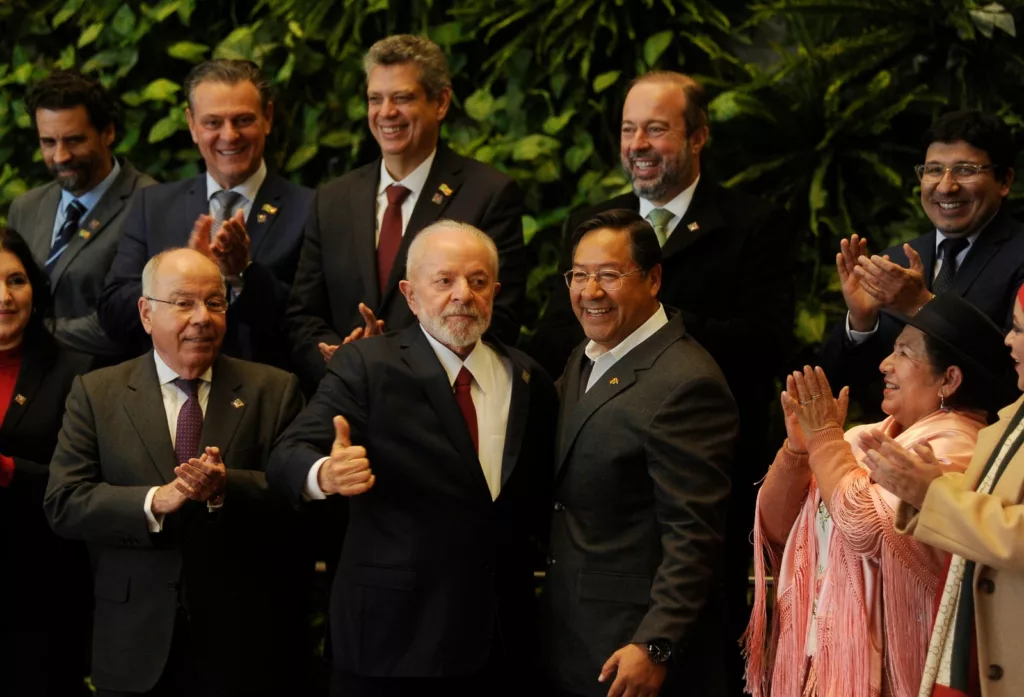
[641, 482]
[45, 581]
[162, 217]
[989, 277]
[432, 571]
[338, 266]
[237, 571]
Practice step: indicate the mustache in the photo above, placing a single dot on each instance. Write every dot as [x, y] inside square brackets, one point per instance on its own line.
[465, 310]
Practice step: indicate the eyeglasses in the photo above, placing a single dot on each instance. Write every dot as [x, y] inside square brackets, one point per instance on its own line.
[608, 280]
[961, 171]
[186, 306]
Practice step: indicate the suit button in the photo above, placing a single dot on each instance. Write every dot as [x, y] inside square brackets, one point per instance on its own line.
[488, 569]
[987, 585]
[550, 560]
[172, 587]
[559, 506]
[995, 672]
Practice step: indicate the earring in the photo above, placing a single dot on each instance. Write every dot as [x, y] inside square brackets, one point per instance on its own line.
[942, 403]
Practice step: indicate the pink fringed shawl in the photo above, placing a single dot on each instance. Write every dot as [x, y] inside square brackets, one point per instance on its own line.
[878, 587]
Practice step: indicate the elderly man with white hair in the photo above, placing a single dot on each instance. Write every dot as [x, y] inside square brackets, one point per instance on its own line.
[444, 444]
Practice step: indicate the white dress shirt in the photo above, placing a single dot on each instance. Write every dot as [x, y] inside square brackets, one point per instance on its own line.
[677, 206]
[248, 189]
[491, 391]
[414, 182]
[605, 359]
[860, 337]
[174, 399]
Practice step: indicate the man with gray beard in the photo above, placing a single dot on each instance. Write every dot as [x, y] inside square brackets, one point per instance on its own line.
[728, 262]
[444, 444]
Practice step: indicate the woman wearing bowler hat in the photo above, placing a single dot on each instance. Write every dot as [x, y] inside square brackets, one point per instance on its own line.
[854, 598]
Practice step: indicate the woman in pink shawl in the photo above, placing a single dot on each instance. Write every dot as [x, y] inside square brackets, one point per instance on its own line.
[854, 598]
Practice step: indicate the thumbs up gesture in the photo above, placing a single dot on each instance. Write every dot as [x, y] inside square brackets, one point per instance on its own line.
[347, 471]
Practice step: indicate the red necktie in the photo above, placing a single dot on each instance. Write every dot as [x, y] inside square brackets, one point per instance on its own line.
[390, 233]
[462, 395]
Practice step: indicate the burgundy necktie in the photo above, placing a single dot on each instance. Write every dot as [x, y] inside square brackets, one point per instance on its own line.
[390, 233]
[190, 422]
[463, 381]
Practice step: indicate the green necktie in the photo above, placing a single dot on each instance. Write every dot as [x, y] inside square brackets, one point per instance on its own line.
[659, 219]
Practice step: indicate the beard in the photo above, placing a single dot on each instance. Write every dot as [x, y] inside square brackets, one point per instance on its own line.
[674, 170]
[461, 335]
[77, 174]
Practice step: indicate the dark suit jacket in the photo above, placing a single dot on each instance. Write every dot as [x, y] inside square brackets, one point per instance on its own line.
[432, 571]
[45, 580]
[78, 276]
[162, 217]
[989, 277]
[234, 570]
[338, 267]
[641, 481]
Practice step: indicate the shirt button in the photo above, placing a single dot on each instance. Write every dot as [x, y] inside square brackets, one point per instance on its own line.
[987, 585]
[995, 672]
[559, 506]
[551, 560]
[172, 587]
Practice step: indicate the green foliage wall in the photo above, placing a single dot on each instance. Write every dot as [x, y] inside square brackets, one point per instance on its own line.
[818, 104]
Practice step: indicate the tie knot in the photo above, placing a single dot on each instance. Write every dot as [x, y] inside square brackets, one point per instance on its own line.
[660, 217]
[189, 387]
[951, 247]
[228, 201]
[396, 194]
[74, 210]
[463, 380]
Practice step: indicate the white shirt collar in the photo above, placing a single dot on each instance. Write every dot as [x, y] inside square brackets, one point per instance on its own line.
[476, 362]
[641, 334]
[414, 182]
[249, 188]
[939, 237]
[165, 375]
[678, 206]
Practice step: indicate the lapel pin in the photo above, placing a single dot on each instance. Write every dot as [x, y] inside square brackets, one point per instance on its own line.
[84, 234]
[526, 377]
[444, 189]
[238, 404]
[613, 381]
[94, 224]
[693, 227]
[272, 210]
[437, 199]
[261, 218]
[20, 399]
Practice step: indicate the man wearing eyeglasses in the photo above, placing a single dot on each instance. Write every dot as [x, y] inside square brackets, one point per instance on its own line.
[647, 431]
[975, 250]
[159, 467]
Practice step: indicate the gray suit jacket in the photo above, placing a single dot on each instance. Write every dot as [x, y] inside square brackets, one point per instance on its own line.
[77, 279]
[640, 487]
[234, 570]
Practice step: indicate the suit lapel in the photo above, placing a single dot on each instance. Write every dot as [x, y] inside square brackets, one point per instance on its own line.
[30, 378]
[702, 218]
[518, 412]
[196, 204]
[225, 407]
[40, 232]
[264, 212]
[981, 253]
[363, 212]
[144, 407]
[925, 248]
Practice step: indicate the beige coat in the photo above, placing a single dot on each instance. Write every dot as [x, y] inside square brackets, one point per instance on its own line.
[988, 529]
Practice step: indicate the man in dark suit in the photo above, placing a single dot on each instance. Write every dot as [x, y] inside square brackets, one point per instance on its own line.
[715, 247]
[74, 223]
[976, 251]
[245, 218]
[159, 467]
[434, 590]
[646, 437]
[361, 225]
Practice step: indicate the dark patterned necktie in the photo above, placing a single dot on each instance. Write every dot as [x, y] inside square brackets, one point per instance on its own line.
[463, 382]
[390, 233]
[73, 213]
[949, 249]
[190, 422]
[228, 201]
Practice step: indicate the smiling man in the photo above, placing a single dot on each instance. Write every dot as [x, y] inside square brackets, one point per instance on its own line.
[362, 224]
[975, 250]
[242, 216]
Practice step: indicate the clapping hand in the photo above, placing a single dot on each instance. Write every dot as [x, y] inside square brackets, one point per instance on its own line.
[808, 397]
[892, 285]
[862, 304]
[906, 473]
[202, 478]
[347, 471]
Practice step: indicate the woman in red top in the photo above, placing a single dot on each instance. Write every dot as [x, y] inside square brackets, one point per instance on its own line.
[45, 592]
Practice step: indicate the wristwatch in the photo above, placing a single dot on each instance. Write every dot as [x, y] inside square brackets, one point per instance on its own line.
[659, 651]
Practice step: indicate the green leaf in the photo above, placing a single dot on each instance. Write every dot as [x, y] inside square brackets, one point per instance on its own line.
[578, 155]
[66, 12]
[189, 51]
[90, 34]
[165, 128]
[164, 10]
[161, 90]
[605, 80]
[238, 45]
[810, 325]
[656, 45]
[554, 124]
[336, 139]
[530, 228]
[991, 17]
[534, 146]
[356, 107]
[301, 156]
[736, 103]
[123, 21]
[67, 58]
[447, 34]
[22, 74]
[480, 104]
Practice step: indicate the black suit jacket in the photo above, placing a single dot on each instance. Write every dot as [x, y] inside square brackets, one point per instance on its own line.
[162, 217]
[989, 277]
[236, 571]
[432, 571]
[338, 266]
[45, 580]
[641, 481]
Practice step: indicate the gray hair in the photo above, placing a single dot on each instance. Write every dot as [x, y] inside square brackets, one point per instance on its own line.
[695, 115]
[152, 266]
[231, 72]
[419, 243]
[407, 48]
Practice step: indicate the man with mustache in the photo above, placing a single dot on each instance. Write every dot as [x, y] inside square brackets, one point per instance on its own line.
[244, 217]
[159, 467]
[728, 266]
[443, 442]
[361, 225]
[975, 250]
[74, 223]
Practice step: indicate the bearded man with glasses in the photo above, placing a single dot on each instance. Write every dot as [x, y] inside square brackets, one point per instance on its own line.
[975, 250]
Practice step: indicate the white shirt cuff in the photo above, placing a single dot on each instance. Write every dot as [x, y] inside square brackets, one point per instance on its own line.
[859, 337]
[155, 524]
[312, 490]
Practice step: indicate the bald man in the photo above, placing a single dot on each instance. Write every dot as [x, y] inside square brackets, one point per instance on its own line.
[443, 442]
[159, 467]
